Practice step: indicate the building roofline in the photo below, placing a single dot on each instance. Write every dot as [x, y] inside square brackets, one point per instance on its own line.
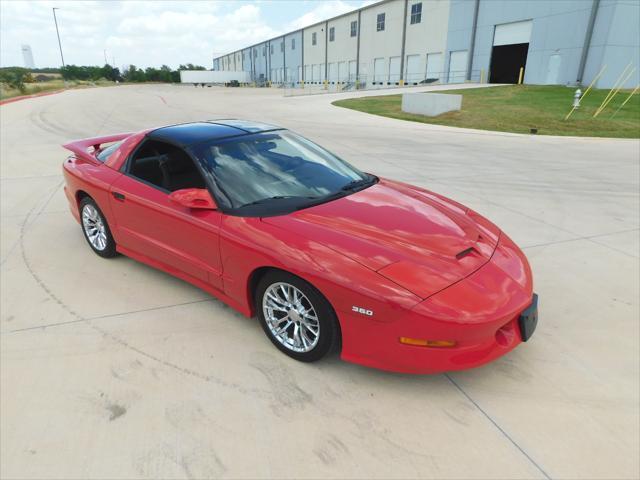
[373, 5]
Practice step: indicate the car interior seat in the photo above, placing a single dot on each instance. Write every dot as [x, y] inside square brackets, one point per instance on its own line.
[178, 172]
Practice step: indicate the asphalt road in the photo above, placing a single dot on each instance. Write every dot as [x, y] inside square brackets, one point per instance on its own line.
[110, 369]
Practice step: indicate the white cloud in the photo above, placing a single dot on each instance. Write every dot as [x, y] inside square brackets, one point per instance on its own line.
[134, 32]
[322, 11]
[144, 33]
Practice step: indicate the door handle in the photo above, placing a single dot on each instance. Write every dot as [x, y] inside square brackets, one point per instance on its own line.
[118, 196]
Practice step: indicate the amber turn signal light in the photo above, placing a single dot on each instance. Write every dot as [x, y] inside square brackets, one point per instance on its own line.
[420, 342]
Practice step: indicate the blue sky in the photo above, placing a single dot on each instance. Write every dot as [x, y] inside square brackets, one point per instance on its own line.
[152, 33]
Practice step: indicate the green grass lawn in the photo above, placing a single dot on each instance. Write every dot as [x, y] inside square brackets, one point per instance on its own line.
[519, 108]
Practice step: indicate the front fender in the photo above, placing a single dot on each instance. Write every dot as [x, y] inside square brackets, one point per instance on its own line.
[248, 244]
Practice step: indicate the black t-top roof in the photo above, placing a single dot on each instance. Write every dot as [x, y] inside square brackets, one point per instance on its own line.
[186, 134]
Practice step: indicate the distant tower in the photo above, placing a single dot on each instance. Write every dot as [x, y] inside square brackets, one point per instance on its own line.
[27, 55]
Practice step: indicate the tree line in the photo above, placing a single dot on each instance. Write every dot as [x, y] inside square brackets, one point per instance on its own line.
[17, 77]
[129, 74]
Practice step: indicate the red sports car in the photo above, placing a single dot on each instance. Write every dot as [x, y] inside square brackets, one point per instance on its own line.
[328, 257]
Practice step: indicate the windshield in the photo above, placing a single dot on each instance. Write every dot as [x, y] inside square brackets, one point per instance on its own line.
[275, 172]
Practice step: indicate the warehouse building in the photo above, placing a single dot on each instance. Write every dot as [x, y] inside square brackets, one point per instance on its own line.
[413, 42]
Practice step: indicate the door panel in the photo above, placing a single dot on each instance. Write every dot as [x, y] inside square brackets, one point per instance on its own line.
[512, 33]
[150, 224]
[553, 69]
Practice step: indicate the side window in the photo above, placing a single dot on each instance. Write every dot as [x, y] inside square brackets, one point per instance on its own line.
[165, 166]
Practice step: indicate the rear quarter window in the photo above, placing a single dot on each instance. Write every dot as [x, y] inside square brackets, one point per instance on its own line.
[105, 153]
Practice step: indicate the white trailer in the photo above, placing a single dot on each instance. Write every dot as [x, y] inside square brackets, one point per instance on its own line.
[213, 76]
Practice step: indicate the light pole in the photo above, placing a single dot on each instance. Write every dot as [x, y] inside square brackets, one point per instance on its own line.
[58, 33]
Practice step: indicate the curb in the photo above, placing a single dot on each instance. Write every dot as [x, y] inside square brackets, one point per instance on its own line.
[26, 97]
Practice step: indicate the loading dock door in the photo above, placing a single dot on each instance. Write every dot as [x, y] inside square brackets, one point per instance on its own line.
[509, 54]
[413, 69]
[343, 74]
[434, 67]
[378, 70]
[333, 74]
[352, 70]
[458, 66]
[394, 70]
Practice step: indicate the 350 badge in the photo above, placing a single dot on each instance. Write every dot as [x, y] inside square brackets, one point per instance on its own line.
[362, 311]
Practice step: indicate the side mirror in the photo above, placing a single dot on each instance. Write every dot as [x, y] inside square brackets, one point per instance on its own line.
[196, 198]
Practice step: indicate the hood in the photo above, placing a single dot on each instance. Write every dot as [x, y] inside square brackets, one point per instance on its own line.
[413, 237]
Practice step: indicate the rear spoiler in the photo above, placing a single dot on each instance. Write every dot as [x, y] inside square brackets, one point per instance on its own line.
[81, 147]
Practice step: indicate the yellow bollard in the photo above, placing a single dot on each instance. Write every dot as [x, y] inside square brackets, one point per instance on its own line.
[520, 76]
[481, 76]
[401, 82]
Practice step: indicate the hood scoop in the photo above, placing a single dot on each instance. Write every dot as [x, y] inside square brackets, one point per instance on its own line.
[412, 238]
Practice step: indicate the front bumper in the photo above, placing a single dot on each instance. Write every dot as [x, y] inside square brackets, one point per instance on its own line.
[487, 314]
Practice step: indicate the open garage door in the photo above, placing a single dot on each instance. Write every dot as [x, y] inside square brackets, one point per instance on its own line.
[510, 48]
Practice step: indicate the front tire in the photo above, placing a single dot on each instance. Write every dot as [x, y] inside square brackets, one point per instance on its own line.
[296, 317]
[96, 229]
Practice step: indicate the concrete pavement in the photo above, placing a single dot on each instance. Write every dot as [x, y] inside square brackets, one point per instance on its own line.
[110, 369]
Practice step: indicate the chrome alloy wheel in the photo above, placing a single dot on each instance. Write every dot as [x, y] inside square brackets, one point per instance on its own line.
[291, 317]
[94, 227]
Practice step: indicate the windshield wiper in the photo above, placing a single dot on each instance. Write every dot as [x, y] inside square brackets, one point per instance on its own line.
[275, 197]
[357, 183]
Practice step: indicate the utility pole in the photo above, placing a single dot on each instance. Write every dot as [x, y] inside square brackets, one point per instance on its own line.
[58, 33]
[105, 57]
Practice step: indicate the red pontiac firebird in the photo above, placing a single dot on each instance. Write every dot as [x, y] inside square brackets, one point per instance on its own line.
[328, 257]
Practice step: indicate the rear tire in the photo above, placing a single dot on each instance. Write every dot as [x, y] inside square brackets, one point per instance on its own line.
[295, 316]
[96, 229]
